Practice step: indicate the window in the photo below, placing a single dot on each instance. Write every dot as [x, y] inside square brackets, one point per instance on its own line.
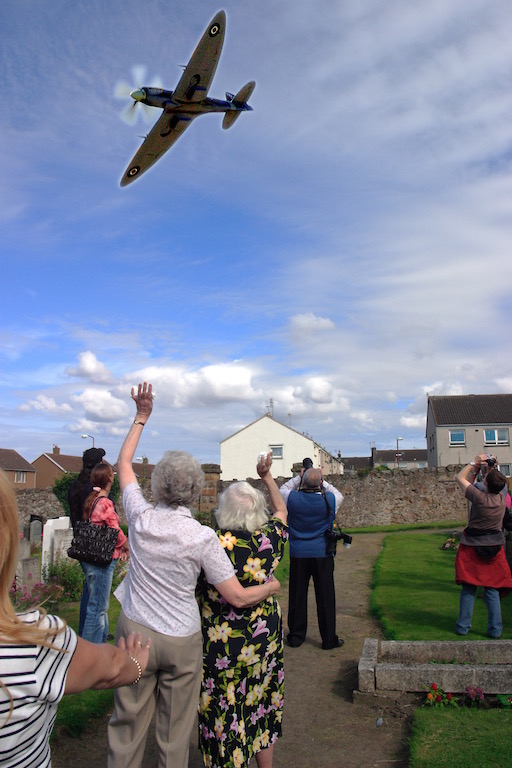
[277, 451]
[20, 477]
[496, 436]
[505, 468]
[457, 437]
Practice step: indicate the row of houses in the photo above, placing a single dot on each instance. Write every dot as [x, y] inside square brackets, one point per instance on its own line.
[49, 467]
[458, 427]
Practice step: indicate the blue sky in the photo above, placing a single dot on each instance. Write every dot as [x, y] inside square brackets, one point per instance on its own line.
[343, 250]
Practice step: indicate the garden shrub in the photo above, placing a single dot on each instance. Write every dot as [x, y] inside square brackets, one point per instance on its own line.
[69, 575]
[61, 487]
[25, 599]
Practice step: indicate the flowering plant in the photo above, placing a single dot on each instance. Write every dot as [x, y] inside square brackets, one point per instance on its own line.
[450, 543]
[438, 698]
[473, 696]
[25, 599]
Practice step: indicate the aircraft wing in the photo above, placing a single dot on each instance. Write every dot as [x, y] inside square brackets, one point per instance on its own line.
[198, 75]
[167, 129]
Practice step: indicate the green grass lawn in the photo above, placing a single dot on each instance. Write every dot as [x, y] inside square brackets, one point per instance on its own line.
[460, 738]
[77, 710]
[415, 598]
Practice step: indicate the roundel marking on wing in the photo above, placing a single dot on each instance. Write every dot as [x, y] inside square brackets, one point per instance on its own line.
[214, 30]
[133, 171]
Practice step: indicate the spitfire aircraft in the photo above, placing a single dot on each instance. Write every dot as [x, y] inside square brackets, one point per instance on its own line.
[189, 100]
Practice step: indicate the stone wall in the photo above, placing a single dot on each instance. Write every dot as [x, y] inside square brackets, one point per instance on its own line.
[396, 497]
[41, 502]
[401, 496]
[376, 498]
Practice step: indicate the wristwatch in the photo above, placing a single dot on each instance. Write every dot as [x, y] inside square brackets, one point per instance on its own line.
[472, 464]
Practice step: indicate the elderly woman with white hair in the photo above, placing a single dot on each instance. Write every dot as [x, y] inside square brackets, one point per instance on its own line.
[168, 550]
[241, 705]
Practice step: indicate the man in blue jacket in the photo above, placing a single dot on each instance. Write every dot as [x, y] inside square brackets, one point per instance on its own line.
[312, 505]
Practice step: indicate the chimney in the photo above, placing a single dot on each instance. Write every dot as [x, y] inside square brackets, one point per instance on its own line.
[56, 450]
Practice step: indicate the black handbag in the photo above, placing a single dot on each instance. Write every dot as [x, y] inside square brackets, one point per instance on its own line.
[93, 543]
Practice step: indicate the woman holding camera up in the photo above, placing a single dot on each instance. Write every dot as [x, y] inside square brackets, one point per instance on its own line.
[480, 560]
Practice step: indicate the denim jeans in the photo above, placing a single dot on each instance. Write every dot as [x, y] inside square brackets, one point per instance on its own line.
[83, 605]
[99, 583]
[492, 601]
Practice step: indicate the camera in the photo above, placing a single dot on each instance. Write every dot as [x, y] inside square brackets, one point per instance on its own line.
[487, 464]
[333, 536]
[307, 463]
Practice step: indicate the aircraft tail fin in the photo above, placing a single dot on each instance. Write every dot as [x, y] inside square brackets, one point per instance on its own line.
[239, 101]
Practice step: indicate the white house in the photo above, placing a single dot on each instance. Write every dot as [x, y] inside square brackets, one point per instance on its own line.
[239, 452]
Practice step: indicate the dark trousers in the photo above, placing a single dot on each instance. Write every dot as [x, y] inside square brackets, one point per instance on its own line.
[322, 571]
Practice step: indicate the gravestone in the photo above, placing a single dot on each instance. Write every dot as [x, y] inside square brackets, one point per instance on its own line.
[61, 543]
[36, 532]
[24, 548]
[57, 524]
[28, 573]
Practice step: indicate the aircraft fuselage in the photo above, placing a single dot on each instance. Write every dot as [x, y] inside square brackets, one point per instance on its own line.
[163, 99]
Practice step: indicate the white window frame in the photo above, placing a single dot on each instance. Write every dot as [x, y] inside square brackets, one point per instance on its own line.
[505, 468]
[456, 443]
[497, 439]
[20, 477]
[279, 449]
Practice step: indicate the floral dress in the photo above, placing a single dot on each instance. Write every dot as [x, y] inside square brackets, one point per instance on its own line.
[241, 704]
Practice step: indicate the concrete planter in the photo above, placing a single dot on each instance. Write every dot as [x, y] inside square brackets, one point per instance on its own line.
[453, 665]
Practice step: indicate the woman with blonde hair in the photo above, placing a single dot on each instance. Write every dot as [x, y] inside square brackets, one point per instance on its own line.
[41, 659]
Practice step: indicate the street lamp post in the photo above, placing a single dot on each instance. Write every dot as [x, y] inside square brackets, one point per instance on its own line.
[92, 438]
[397, 452]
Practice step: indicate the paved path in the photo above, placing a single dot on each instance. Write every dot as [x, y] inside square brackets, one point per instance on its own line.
[324, 724]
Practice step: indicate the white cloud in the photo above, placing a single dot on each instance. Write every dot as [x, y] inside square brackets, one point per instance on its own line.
[316, 390]
[101, 406]
[46, 404]
[310, 323]
[180, 386]
[413, 422]
[91, 369]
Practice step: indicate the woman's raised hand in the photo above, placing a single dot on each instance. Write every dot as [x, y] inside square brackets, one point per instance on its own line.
[264, 463]
[143, 400]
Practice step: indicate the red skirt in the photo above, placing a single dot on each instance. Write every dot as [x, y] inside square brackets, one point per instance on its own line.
[472, 569]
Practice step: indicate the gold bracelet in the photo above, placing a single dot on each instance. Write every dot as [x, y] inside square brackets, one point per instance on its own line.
[139, 668]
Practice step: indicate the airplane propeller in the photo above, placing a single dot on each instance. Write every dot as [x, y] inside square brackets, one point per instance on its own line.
[124, 90]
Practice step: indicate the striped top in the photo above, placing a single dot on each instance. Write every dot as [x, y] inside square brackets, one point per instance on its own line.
[35, 677]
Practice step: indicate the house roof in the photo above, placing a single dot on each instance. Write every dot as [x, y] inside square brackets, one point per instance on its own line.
[64, 463]
[471, 409]
[414, 454]
[140, 471]
[268, 416]
[356, 462]
[12, 461]
[73, 464]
